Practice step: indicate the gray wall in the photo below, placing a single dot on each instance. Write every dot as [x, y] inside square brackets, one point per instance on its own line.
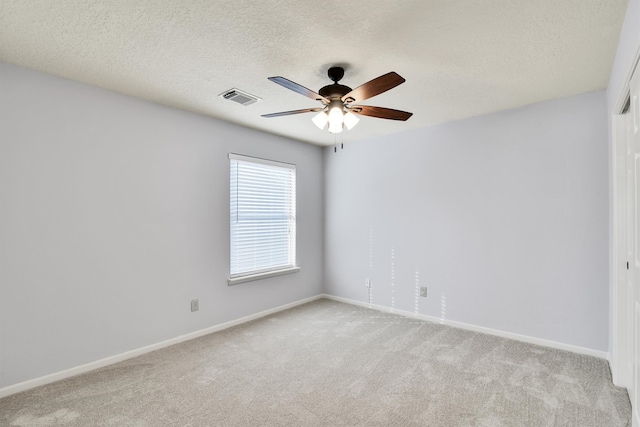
[114, 215]
[503, 217]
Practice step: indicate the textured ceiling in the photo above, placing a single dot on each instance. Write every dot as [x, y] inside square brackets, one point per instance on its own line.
[460, 58]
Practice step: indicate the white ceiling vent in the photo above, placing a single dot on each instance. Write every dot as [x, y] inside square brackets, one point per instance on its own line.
[239, 96]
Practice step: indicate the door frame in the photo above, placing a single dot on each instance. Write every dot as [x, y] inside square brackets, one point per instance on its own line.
[618, 357]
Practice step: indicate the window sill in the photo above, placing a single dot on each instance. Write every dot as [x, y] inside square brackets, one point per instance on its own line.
[252, 277]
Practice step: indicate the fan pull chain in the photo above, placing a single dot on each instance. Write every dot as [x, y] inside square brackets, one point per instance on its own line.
[335, 142]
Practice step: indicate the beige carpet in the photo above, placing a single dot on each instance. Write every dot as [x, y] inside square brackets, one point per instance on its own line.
[332, 364]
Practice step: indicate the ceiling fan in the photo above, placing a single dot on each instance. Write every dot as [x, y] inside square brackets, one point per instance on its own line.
[338, 109]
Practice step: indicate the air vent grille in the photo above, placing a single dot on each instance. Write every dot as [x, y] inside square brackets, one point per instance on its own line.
[239, 96]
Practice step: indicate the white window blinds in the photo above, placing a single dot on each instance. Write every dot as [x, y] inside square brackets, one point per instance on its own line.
[263, 215]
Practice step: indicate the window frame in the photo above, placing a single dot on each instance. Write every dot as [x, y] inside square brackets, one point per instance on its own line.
[250, 275]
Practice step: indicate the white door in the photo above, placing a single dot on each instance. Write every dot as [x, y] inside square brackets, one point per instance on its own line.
[633, 237]
[622, 351]
[627, 306]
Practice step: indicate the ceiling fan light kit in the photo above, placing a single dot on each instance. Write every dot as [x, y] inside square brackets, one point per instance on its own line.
[338, 110]
[337, 117]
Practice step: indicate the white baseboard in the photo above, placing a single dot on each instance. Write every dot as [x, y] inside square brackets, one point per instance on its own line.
[56, 376]
[481, 329]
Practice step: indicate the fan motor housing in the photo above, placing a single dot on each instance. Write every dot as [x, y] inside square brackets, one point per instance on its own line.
[334, 91]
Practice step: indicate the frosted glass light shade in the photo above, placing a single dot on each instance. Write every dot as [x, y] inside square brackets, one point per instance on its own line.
[336, 116]
[350, 120]
[335, 127]
[320, 119]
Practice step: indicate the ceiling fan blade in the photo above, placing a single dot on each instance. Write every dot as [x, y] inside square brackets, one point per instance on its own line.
[380, 112]
[288, 113]
[297, 88]
[374, 87]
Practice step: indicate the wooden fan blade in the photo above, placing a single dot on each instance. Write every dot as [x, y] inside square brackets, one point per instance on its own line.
[380, 112]
[374, 87]
[288, 113]
[299, 89]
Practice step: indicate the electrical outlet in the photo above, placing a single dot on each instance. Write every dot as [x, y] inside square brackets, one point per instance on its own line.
[423, 291]
[367, 283]
[195, 305]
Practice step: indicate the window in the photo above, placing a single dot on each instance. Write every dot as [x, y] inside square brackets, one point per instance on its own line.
[263, 218]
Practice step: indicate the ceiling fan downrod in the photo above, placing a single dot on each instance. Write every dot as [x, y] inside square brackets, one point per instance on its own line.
[335, 91]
